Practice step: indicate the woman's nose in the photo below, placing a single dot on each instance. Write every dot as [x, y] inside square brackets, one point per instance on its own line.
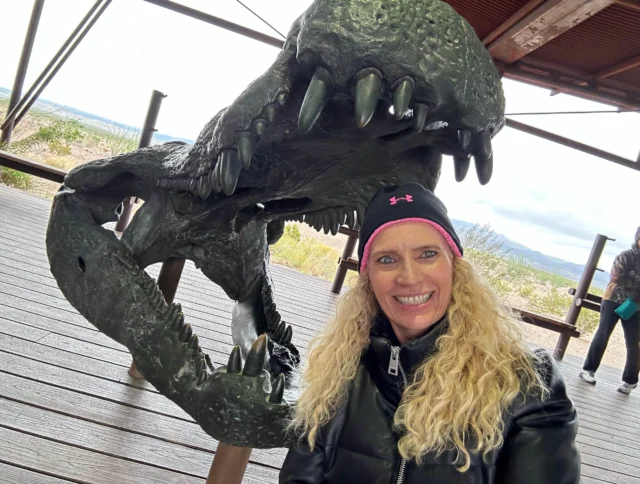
[409, 273]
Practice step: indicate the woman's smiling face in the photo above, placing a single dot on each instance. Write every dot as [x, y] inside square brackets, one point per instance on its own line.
[411, 271]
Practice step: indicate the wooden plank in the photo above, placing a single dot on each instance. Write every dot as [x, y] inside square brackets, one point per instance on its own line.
[545, 23]
[53, 357]
[17, 475]
[89, 385]
[77, 464]
[115, 415]
[608, 460]
[114, 442]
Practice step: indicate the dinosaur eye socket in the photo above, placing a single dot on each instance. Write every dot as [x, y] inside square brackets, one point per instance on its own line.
[81, 265]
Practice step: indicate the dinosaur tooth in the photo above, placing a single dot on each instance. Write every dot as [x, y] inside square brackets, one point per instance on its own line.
[157, 299]
[277, 392]
[360, 213]
[326, 223]
[193, 343]
[402, 97]
[279, 332]
[260, 126]
[148, 284]
[217, 176]
[193, 185]
[204, 188]
[201, 379]
[207, 358]
[351, 219]
[246, 143]
[308, 219]
[368, 89]
[185, 333]
[464, 138]
[461, 167]
[273, 320]
[269, 112]
[317, 222]
[288, 334]
[281, 98]
[230, 171]
[234, 365]
[174, 311]
[256, 357]
[335, 226]
[178, 323]
[315, 99]
[483, 146]
[420, 112]
[484, 168]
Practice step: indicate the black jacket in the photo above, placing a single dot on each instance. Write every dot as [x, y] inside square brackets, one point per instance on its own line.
[359, 445]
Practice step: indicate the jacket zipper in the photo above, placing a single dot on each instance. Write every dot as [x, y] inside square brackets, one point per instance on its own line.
[395, 367]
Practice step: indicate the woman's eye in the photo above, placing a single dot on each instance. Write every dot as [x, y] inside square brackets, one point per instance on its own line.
[386, 260]
[428, 254]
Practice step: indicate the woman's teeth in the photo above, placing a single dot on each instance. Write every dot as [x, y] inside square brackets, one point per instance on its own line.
[413, 300]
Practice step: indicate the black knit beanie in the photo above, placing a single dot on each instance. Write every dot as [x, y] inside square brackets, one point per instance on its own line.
[404, 203]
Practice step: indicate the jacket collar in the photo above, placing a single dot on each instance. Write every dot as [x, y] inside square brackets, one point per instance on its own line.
[413, 352]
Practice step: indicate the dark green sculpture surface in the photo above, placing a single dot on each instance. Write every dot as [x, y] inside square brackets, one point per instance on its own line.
[364, 94]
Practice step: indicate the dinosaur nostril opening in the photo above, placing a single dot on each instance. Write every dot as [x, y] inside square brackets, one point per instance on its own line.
[81, 265]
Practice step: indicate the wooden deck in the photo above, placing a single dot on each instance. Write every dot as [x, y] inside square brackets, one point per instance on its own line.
[70, 413]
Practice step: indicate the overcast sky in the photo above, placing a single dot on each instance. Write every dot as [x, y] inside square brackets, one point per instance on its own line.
[547, 197]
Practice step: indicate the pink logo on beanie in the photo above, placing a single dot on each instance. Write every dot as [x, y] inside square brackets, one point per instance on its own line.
[406, 198]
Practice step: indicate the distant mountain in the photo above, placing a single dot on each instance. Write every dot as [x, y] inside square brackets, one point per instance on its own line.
[89, 119]
[538, 260]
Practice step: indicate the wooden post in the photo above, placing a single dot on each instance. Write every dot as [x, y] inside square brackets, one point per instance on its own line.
[349, 246]
[229, 464]
[581, 293]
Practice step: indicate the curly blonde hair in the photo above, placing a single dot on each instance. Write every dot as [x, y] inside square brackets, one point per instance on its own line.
[482, 347]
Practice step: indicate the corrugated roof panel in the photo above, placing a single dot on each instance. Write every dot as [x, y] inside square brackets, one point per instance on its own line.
[602, 41]
[631, 77]
[485, 16]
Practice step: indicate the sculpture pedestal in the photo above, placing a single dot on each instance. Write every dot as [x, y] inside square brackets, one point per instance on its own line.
[133, 372]
[229, 464]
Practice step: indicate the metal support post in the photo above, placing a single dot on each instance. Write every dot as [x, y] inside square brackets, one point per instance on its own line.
[145, 140]
[23, 65]
[581, 292]
[341, 271]
[229, 464]
[18, 112]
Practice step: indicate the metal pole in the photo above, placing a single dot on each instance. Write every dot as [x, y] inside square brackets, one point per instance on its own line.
[229, 464]
[341, 271]
[581, 292]
[145, 140]
[218, 22]
[50, 71]
[576, 145]
[23, 65]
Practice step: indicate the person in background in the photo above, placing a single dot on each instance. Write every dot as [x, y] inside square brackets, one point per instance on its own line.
[422, 377]
[623, 289]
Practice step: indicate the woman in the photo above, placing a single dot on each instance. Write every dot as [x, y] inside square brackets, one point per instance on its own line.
[421, 377]
[625, 283]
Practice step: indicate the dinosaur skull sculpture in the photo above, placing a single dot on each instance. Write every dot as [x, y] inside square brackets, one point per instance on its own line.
[364, 94]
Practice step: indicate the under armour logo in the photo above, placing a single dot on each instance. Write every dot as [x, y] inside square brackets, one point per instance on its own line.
[406, 198]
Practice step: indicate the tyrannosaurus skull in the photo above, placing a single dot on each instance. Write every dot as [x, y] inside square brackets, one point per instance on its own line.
[364, 94]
